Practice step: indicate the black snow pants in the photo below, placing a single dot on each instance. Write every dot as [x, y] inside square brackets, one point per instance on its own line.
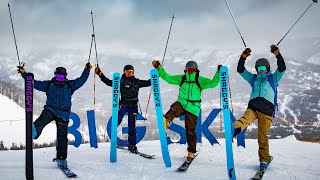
[62, 131]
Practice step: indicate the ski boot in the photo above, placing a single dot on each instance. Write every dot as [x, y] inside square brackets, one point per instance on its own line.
[62, 163]
[190, 156]
[133, 149]
[167, 123]
[34, 132]
[264, 165]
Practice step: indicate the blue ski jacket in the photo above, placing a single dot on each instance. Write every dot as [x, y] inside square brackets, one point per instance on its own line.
[59, 98]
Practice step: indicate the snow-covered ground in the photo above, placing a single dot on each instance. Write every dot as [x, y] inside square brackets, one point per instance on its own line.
[292, 160]
[12, 124]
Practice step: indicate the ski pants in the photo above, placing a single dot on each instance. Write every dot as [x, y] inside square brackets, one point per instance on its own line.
[132, 116]
[177, 110]
[264, 123]
[62, 131]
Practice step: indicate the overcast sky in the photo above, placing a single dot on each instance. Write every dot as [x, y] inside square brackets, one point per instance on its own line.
[46, 25]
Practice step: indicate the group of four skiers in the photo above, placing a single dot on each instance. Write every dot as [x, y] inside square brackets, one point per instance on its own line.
[261, 105]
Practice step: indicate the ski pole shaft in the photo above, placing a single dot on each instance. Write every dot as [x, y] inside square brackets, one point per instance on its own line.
[235, 23]
[165, 50]
[90, 49]
[148, 104]
[314, 1]
[94, 37]
[164, 54]
[230, 95]
[14, 35]
[94, 90]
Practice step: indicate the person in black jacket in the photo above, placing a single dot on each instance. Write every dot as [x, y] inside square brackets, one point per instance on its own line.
[129, 91]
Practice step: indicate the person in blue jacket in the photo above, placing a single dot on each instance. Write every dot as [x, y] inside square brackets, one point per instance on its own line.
[58, 106]
[262, 103]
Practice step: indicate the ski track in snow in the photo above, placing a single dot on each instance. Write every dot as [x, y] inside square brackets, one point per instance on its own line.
[292, 160]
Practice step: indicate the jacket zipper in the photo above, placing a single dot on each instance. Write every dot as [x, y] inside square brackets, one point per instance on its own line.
[260, 86]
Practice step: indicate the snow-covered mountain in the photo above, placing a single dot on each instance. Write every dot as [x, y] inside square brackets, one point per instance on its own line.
[299, 96]
[292, 160]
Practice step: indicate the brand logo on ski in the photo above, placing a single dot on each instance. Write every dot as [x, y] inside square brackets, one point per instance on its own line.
[116, 91]
[156, 91]
[29, 93]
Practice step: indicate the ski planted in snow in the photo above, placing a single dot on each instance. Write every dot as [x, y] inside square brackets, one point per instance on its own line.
[261, 171]
[224, 91]
[186, 164]
[155, 84]
[29, 84]
[139, 153]
[114, 121]
[66, 170]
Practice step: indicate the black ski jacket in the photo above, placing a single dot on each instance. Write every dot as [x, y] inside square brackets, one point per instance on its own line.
[129, 88]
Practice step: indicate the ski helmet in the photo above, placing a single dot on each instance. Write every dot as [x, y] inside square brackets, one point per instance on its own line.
[192, 64]
[262, 62]
[61, 70]
[128, 67]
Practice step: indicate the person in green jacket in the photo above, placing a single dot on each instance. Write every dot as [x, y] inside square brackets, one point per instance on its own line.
[262, 104]
[189, 100]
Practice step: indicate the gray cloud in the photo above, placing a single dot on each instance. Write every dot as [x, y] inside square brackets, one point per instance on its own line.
[42, 26]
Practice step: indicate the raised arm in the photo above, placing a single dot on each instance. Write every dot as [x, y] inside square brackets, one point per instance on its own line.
[103, 78]
[77, 83]
[280, 62]
[206, 83]
[241, 69]
[38, 85]
[171, 79]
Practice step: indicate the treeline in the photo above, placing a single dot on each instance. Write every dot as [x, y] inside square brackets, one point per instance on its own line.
[16, 94]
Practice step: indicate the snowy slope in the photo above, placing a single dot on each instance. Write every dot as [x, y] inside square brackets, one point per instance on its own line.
[12, 124]
[292, 160]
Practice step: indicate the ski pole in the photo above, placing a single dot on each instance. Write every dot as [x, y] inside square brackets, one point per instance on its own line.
[94, 37]
[165, 50]
[94, 77]
[313, 1]
[164, 54]
[235, 23]
[14, 37]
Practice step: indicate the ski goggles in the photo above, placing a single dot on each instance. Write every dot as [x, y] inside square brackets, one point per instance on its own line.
[262, 69]
[190, 70]
[129, 73]
[59, 77]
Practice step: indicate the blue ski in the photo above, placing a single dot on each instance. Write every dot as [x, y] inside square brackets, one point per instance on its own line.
[114, 121]
[155, 83]
[224, 91]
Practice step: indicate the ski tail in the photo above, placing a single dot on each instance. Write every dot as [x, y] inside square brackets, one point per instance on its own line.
[114, 121]
[224, 91]
[29, 85]
[155, 84]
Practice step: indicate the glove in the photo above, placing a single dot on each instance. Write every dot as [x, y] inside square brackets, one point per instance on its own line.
[219, 67]
[156, 64]
[88, 66]
[98, 71]
[274, 49]
[21, 69]
[246, 53]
